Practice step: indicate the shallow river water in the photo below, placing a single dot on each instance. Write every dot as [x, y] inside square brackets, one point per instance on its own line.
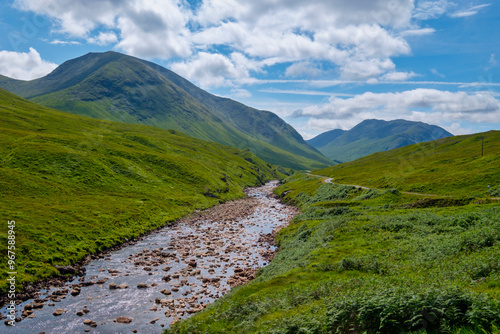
[166, 276]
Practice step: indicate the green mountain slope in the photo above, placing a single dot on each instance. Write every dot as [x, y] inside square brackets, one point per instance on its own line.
[461, 165]
[76, 185]
[372, 136]
[117, 87]
[326, 138]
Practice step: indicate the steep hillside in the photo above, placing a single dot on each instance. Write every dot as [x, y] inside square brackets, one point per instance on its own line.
[76, 185]
[372, 136]
[116, 87]
[461, 165]
[326, 138]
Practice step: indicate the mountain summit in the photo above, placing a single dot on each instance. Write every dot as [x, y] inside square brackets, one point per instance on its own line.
[372, 136]
[117, 87]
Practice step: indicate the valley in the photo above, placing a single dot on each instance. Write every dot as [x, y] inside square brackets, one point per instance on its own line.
[135, 207]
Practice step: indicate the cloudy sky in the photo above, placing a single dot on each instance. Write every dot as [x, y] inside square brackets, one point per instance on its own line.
[318, 64]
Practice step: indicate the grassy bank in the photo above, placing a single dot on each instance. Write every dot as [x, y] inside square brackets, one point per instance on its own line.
[458, 166]
[374, 261]
[75, 186]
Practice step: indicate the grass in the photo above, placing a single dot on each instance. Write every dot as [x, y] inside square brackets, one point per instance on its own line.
[370, 261]
[456, 166]
[75, 185]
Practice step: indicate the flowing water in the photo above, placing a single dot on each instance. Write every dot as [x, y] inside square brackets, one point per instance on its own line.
[166, 276]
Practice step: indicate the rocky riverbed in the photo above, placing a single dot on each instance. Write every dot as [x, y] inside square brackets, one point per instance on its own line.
[166, 276]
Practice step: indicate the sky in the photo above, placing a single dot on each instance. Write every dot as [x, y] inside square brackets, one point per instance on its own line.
[320, 65]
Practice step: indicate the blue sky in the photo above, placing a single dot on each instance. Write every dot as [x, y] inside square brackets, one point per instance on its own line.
[318, 64]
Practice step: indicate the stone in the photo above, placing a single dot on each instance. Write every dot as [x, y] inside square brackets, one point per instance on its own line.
[123, 320]
[58, 312]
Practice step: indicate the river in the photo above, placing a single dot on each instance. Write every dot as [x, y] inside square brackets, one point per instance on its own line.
[165, 276]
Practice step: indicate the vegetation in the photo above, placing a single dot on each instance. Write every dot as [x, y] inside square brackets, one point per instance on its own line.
[120, 88]
[457, 166]
[370, 261]
[75, 185]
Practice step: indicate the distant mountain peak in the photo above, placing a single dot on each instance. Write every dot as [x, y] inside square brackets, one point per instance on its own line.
[374, 135]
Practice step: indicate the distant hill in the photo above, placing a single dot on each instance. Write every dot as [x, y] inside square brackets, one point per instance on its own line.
[116, 87]
[372, 136]
[458, 166]
[76, 185]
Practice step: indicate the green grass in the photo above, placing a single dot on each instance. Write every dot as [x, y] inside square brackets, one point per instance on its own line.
[75, 185]
[370, 261]
[456, 166]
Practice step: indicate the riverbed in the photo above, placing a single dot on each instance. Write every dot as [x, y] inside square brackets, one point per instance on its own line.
[167, 275]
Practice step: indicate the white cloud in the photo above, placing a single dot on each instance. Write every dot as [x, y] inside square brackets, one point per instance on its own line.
[303, 69]
[241, 93]
[418, 32]
[468, 12]
[24, 65]
[147, 28]
[104, 38]
[214, 70]
[431, 9]
[428, 105]
[59, 42]
[398, 76]
[358, 38]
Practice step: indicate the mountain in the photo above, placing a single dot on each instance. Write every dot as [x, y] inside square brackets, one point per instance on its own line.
[326, 138]
[76, 185]
[372, 136]
[116, 87]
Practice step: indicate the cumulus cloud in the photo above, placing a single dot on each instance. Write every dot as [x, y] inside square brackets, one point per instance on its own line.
[428, 105]
[359, 38]
[24, 65]
[147, 28]
[104, 38]
[214, 70]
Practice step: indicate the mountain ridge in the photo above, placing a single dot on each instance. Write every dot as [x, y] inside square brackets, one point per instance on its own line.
[374, 135]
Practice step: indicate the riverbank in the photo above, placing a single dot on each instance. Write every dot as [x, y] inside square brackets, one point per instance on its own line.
[167, 275]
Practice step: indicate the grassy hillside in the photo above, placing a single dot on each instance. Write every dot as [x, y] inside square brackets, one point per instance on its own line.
[121, 88]
[76, 185]
[374, 135]
[370, 261]
[452, 166]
